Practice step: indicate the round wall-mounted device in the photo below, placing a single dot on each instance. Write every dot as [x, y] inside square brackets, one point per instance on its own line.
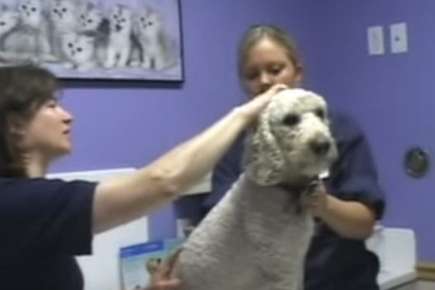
[416, 162]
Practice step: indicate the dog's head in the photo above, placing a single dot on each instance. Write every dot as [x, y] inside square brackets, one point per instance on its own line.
[292, 143]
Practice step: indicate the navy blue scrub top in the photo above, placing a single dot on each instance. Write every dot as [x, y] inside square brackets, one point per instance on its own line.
[333, 262]
[43, 225]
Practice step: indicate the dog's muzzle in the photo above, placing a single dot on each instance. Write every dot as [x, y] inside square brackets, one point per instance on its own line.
[320, 147]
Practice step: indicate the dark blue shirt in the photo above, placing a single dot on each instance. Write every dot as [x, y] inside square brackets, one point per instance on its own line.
[43, 224]
[333, 262]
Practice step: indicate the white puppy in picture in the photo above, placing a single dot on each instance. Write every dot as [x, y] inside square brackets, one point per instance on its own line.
[257, 236]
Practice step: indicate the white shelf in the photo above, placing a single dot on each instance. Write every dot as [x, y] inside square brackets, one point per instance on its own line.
[396, 249]
[203, 186]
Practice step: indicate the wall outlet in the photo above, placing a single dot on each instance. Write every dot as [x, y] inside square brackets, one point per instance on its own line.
[375, 38]
[399, 38]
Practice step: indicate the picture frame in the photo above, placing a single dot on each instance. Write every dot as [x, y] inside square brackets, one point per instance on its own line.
[94, 39]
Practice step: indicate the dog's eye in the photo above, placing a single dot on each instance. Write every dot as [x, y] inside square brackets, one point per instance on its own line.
[320, 113]
[291, 120]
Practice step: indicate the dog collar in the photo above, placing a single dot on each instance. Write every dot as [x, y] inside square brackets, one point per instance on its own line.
[305, 188]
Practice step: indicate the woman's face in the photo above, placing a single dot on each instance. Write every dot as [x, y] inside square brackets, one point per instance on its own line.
[267, 63]
[48, 132]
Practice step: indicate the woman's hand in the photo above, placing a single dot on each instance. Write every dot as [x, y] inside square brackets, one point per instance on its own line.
[163, 278]
[165, 284]
[253, 108]
[317, 200]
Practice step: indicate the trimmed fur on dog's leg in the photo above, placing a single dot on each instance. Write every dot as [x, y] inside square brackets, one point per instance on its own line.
[253, 254]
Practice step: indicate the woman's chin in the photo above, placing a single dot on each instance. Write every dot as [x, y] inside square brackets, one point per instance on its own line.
[67, 150]
[62, 151]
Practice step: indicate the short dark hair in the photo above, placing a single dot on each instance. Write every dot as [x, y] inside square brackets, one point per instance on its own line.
[23, 90]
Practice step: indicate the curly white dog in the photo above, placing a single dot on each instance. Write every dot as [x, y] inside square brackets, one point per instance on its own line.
[258, 234]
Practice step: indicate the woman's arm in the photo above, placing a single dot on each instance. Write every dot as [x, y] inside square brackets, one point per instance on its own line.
[125, 198]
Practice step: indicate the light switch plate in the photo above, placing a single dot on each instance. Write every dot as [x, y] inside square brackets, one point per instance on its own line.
[399, 37]
[375, 38]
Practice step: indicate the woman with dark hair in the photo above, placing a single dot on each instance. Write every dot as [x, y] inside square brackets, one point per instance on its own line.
[45, 223]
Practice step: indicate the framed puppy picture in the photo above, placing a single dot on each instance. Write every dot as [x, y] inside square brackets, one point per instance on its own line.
[103, 39]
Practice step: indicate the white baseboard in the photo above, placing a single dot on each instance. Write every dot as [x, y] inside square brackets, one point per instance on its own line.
[91, 175]
[203, 186]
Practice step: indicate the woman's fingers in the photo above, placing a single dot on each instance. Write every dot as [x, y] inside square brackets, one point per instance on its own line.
[164, 276]
[172, 284]
[273, 90]
[168, 265]
[254, 107]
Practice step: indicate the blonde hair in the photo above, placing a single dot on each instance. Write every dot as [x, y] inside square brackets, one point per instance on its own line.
[259, 32]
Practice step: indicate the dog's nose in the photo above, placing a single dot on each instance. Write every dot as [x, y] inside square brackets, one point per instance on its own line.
[320, 147]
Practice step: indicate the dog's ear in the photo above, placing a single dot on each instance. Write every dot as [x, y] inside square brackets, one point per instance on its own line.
[264, 160]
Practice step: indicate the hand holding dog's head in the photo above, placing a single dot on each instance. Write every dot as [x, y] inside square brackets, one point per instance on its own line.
[293, 141]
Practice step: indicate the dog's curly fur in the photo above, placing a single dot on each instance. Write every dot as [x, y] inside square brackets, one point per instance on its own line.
[255, 238]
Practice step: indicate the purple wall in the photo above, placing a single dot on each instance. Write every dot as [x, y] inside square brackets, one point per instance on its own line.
[119, 126]
[390, 95]
[123, 125]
